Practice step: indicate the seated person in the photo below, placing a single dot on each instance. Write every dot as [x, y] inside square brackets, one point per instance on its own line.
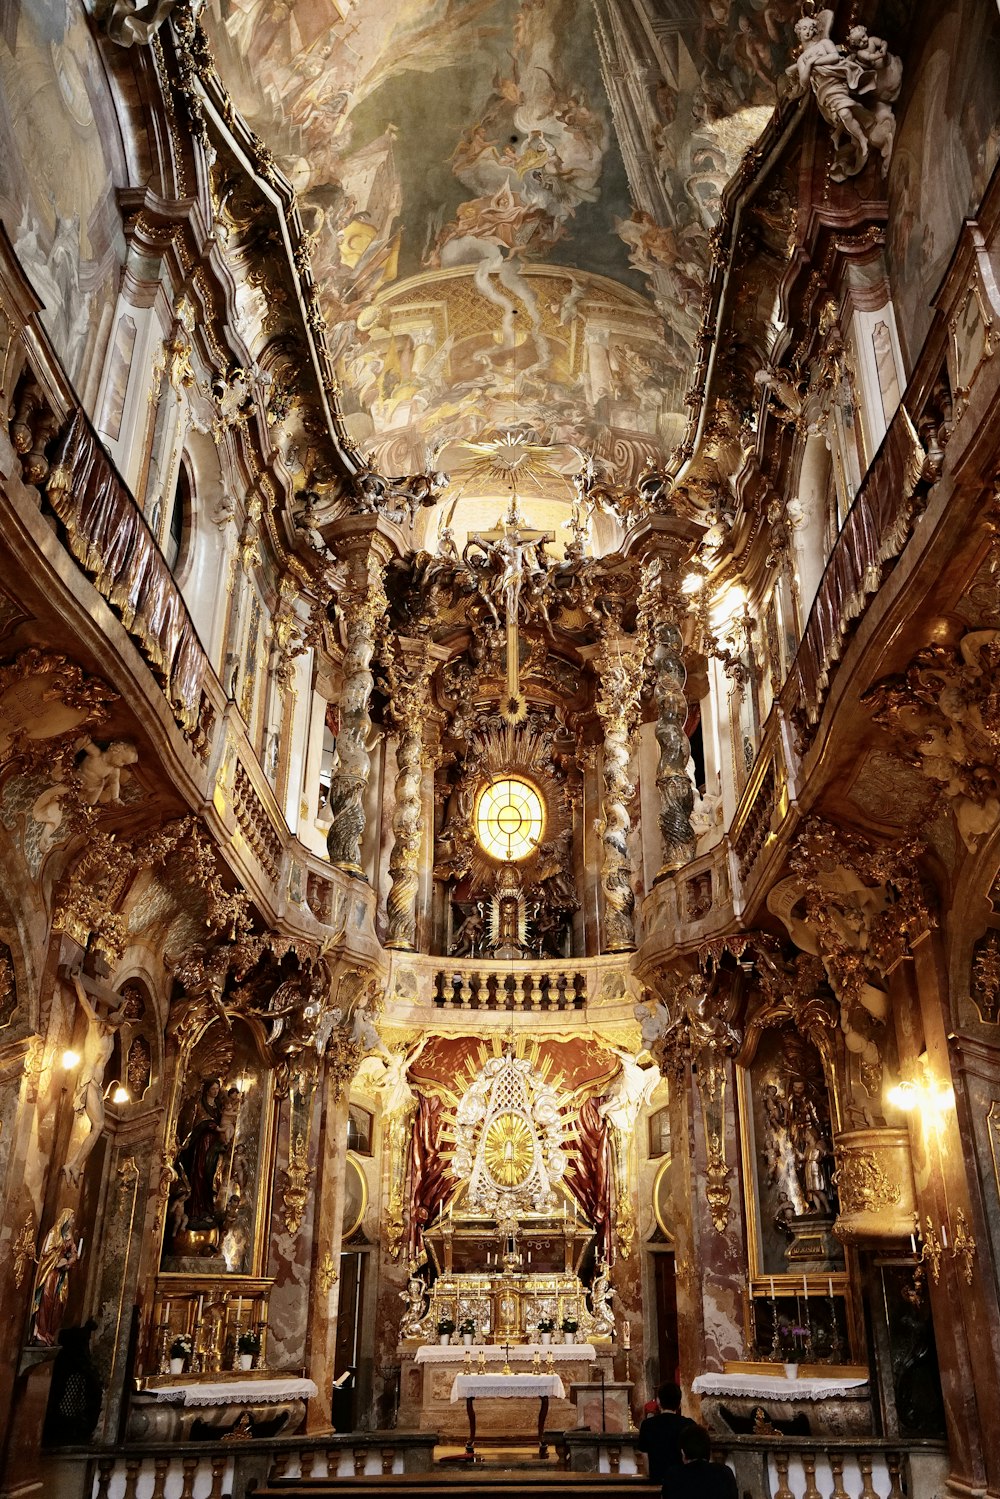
[660, 1434]
[698, 1477]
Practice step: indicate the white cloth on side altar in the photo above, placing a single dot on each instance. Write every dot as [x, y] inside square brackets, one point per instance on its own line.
[235, 1392]
[520, 1353]
[507, 1387]
[774, 1387]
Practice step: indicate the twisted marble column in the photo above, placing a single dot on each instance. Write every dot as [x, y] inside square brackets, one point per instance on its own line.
[408, 708]
[364, 604]
[620, 682]
[672, 780]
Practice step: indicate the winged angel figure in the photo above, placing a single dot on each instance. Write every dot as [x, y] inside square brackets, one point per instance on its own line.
[854, 85]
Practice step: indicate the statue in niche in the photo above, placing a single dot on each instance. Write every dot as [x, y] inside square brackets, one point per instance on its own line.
[799, 1150]
[88, 1100]
[204, 1139]
[60, 1252]
[471, 935]
[855, 87]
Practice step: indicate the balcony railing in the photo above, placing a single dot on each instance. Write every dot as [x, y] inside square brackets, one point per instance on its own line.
[877, 528]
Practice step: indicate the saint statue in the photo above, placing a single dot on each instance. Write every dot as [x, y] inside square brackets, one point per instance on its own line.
[60, 1253]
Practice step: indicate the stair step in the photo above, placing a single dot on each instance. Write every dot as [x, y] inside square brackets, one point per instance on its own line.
[500, 1483]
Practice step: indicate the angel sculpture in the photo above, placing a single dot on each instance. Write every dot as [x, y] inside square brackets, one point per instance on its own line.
[854, 87]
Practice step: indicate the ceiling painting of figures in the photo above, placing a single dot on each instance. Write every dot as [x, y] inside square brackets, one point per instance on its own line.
[510, 201]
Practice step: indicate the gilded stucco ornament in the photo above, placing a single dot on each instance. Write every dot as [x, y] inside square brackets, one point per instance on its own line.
[296, 1178]
[692, 1032]
[943, 714]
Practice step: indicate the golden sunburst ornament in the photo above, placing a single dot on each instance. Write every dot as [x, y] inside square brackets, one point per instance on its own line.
[509, 1149]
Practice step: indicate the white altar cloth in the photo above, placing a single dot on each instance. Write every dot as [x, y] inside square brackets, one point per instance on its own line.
[774, 1387]
[235, 1392]
[520, 1353]
[507, 1387]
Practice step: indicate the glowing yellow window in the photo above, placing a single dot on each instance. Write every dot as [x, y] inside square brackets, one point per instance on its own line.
[509, 819]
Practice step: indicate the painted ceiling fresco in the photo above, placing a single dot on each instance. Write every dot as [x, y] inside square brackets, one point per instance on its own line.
[510, 200]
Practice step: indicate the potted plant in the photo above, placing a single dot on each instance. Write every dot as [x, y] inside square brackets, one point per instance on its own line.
[181, 1349]
[569, 1327]
[794, 1349]
[468, 1330]
[445, 1329]
[247, 1348]
[546, 1328]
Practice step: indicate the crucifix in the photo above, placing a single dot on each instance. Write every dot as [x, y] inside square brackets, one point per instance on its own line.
[506, 1358]
[510, 540]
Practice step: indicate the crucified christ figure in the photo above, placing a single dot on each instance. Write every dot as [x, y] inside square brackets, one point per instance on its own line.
[88, 1100]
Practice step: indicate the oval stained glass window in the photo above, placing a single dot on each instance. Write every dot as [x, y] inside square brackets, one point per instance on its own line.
[509, 819]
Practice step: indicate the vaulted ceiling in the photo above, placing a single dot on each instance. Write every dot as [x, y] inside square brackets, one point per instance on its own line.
[510, 202]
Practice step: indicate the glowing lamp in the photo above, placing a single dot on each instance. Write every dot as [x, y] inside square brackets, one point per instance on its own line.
[70, 1059]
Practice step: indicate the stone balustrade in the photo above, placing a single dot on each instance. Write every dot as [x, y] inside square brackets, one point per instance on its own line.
[215, 1470]
[835, 1467]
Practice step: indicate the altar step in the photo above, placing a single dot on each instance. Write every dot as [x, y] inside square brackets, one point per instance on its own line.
[496, 1483]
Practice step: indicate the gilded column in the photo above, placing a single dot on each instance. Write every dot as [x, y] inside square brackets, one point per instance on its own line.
[409, 678]
[662, 611]
[363, 603]
[619, 684]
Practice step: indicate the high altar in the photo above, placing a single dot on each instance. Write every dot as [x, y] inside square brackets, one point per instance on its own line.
[506, 1257]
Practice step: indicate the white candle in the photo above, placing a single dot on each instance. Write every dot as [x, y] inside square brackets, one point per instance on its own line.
[829, 1286]
[772, 1287]
[913, 1244]
[201, 1303]
[944, 1237]
[627, 1335]
[166, 1313]
[239, 1309]
[529, 1256]
[805, 1288]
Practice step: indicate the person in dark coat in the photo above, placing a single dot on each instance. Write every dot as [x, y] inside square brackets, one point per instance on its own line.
[660, 1434]
[698, 1477]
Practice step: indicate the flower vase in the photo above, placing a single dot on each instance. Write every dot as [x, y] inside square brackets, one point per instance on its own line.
[444, 1338]
[177, 1366]
[246, 1360]
[570, 1337]
[467, 1339]
[546, 1338]
[791, 1371]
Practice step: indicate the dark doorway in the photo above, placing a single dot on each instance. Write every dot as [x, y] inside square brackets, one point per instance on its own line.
[665, 1288]
[352, 1287]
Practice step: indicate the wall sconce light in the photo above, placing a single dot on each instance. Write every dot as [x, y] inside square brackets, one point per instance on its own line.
[70, 1059]
[121, 1094]
[904, 1095]
[922, 1092]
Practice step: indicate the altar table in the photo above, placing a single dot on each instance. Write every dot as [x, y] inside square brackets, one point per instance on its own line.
[507, 1387]
[167, 1412]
